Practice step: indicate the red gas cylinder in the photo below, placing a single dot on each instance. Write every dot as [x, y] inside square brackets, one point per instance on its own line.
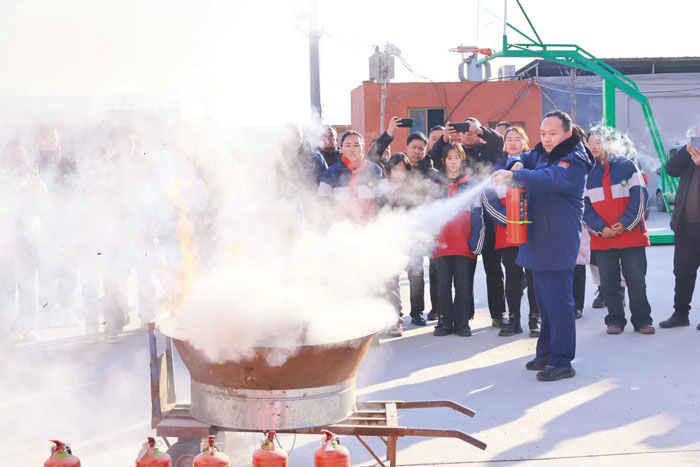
[61, 456]
[150, 456]
[331, 453]
[516, 216]
[211, 456]
[269, 456]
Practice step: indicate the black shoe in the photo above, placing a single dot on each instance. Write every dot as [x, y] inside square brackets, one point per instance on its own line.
[418, 321]
[534, 327]
[512, 328]
[578, 314]
[537, 363]
[675, 321]
[698, 328]
[555, 373]
[498, 323]
[440, 331]
[599, 300]
[432, 316]
[464, 331]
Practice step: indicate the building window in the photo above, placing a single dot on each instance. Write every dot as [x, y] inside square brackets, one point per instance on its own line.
[424, 119]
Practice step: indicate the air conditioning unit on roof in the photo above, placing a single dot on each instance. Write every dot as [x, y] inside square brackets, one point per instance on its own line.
[506, 72]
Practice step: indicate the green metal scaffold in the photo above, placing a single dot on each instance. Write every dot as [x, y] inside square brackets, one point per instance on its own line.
[571, 55]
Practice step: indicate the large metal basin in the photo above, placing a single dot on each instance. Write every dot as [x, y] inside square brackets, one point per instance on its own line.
[314, 387]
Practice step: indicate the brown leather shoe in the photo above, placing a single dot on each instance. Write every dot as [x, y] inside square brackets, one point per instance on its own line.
[646, 329]
[612, 329]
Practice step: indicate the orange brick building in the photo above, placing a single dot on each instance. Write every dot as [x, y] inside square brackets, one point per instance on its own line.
[431, 104]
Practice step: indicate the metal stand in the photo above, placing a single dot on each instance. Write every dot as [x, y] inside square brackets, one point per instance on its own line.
[377, 418]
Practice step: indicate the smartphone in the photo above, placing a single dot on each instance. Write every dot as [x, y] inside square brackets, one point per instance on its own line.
[406, 123]
[695, 142]
[460, 127]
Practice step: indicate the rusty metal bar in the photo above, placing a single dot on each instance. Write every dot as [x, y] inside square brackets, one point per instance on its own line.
[433, 433]
[435, 404]
[369, 449]
[391, 451]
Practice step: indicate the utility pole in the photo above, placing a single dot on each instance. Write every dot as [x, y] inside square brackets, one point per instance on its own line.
[573, 74]
[381, 69]
[314, 74]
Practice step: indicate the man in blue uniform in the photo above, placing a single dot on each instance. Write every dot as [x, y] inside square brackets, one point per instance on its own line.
[554, 175]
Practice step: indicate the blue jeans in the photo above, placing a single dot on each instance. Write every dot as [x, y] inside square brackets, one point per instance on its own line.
[634, 270]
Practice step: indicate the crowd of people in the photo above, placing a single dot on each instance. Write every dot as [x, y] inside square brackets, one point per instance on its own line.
[79, 227]
[587, 199]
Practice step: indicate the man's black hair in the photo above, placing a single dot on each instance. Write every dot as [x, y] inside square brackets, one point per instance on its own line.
[566, 121]
[415, 136]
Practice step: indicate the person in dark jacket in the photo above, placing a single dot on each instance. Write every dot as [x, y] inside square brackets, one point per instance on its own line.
[483, 147]
[379, 151]
[554, 175]
[616, 198]
[398, 197]
[494, 202]
[434, 134]
[328, 147]
[298, 173]
[304, 167]
[456, 247]
[419, 184]
[684, 162]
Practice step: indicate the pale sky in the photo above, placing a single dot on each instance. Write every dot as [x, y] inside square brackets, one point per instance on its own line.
[248, 61]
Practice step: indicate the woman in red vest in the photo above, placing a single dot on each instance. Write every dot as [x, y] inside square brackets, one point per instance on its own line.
[456, 247]
[616, 198]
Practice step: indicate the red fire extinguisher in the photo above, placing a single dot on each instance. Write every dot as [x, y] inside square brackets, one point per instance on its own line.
[516, 216]
[269, 456]
[61, 456]
[331, 453]
[150, 456]
[211, 456]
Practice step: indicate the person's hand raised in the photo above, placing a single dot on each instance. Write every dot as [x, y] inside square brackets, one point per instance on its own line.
[475, 130]
[393, 126]
[449, 131]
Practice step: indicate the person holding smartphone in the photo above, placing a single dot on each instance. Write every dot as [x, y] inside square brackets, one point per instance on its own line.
[379, 151]
[684, 162]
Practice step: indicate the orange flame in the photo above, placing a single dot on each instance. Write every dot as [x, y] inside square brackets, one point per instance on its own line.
[185, 275]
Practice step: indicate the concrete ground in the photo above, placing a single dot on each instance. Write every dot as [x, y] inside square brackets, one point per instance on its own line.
[634, 401]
